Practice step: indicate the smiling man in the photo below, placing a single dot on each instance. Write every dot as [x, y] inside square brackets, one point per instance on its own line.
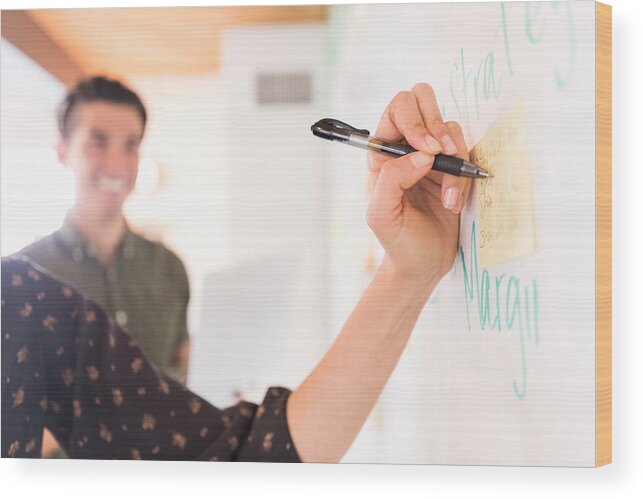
[141, 284]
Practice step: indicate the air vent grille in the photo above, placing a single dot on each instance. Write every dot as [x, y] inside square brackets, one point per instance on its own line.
[284, 88]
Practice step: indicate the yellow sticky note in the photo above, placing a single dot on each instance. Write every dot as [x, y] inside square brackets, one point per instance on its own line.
[506, 213]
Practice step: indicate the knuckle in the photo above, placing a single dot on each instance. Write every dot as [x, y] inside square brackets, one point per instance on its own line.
[420, 128]
[385, 174]
[389, 168]
[454, 126]
[438, 124]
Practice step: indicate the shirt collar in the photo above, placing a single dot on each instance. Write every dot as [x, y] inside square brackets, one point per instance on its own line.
[81, 247]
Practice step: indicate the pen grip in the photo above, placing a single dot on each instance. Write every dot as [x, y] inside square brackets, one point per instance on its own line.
[442, 163]
[448, 164]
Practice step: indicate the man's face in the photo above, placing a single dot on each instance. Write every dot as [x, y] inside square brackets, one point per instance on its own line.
[102, 149]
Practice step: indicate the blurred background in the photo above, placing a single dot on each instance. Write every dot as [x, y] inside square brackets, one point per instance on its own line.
[230, 178]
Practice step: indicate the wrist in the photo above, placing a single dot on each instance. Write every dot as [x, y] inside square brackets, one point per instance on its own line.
[418, 284]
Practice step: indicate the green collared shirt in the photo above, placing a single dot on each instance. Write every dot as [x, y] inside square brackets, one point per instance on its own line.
[145, 289]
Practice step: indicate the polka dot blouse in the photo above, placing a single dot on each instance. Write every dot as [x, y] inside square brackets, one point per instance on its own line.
[68, 367]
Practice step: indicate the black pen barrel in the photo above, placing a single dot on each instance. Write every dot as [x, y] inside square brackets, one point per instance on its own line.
[443, 163]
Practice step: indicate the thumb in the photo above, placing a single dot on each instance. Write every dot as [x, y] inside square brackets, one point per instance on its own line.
[396, 176]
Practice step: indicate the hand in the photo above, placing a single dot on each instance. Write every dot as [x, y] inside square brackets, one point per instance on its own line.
[414, 212]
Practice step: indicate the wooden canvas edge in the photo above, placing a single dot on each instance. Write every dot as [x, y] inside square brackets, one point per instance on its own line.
[603, 302]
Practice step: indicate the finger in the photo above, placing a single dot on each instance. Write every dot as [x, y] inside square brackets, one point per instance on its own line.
[395, 177]
[456, 189]
[402, 120]
[430, 111]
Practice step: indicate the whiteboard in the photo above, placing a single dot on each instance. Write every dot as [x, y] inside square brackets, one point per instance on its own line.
[502, 374]
[500, 367]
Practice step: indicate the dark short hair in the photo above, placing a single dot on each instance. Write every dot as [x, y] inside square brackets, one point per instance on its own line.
[97, 88]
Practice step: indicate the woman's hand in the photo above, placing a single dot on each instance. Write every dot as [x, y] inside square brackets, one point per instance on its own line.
[414, 212]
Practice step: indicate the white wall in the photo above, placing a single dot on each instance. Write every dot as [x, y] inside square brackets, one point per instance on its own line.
[277, 230]
[189, 211]
[36, 189]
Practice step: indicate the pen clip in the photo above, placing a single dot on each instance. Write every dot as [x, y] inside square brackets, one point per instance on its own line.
[332, 129]
[344, 126]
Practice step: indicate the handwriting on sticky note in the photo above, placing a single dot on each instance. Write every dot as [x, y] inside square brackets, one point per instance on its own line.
[507, 219]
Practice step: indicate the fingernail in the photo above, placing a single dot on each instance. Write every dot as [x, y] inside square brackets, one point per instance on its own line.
[449, 145]
[450, 200]
[459, 204]
[433, 144]
[420, 159]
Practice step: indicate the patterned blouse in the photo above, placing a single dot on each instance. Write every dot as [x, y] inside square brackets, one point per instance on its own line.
[68, 367]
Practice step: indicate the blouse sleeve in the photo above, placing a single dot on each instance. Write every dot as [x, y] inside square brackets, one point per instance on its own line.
[68, 367]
